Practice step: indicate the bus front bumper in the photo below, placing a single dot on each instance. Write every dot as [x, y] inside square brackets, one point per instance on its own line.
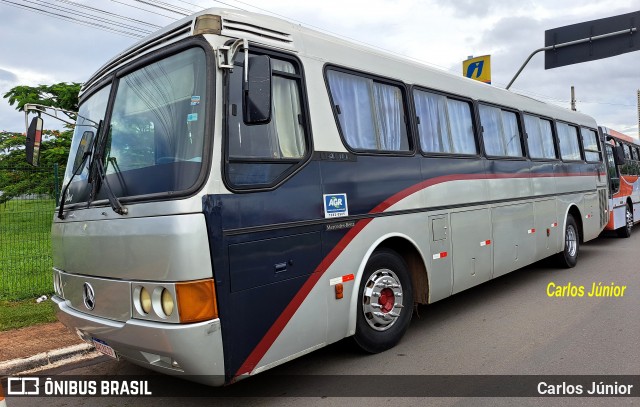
[192, 351]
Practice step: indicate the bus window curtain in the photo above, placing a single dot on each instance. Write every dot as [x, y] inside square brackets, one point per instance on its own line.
[461, 127]
[546, 137]
[534, 138]
[433, 128]
[513, 147]
[351, 94]
[389, 112]
[492, 134]
[285, 131]
[568, 137]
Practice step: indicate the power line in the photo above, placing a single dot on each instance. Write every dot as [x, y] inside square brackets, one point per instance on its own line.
[144, 9]
[192, 4]
[72, 19]
[87, 15]
[166, 6]
[127, 28]
[109, 13]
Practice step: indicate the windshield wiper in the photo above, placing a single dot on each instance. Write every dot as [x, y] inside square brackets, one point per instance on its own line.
[115, 203]
[114, 163]
[98, 176]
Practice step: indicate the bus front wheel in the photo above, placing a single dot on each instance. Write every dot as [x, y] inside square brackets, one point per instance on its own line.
[385, 302]
[568, 257]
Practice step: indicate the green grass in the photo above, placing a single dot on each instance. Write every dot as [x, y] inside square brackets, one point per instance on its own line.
[25, 248]
[18, 314]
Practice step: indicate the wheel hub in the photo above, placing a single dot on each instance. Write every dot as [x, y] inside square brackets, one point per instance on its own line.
[382, 299]
[571, 240]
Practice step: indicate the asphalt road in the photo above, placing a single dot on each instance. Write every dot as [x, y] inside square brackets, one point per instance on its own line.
[508, 326]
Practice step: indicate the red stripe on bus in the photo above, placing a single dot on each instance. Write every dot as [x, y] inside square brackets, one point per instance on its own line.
[386, 204]
[272, 334]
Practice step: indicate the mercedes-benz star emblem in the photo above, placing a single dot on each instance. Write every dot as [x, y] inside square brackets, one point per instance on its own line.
[88, 296]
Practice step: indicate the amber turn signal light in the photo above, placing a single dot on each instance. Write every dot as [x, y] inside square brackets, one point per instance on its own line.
[196, 301]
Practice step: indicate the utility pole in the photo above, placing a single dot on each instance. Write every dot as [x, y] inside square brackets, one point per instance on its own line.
[638, 113]
[573, 98]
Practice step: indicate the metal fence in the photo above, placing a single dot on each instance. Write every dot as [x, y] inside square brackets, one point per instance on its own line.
[28, 199]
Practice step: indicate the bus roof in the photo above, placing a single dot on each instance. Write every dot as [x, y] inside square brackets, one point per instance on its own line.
[620, 136]
[283, 34]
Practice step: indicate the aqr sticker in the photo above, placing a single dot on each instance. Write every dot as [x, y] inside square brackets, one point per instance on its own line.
[335, 205]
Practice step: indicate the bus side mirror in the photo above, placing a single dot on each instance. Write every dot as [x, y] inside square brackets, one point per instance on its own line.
[84, 148]
[34, 139]
[618, 155]
[257, 95]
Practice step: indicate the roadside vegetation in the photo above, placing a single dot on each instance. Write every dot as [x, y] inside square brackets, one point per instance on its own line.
[18, 314]
[25, 248]
[27, 203]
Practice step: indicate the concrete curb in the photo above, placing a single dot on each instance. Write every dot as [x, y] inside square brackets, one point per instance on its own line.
[11, 367]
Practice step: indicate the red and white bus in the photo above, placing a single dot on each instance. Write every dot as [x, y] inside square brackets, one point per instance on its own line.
[624, 198]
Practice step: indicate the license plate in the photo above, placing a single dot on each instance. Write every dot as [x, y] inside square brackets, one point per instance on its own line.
[103, 348]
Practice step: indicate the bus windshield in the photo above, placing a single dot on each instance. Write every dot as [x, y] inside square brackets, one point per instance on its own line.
[154, 139]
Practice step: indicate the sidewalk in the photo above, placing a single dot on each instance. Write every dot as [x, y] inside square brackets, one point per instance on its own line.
[36, 346]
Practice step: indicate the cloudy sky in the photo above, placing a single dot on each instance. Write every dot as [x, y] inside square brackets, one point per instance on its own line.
[38, 48]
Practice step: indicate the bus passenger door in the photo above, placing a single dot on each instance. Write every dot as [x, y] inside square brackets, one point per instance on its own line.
[471, 237]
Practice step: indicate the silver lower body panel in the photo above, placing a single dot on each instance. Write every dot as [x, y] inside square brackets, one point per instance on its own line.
[193, 351]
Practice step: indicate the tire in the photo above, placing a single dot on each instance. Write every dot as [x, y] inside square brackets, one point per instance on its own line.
[625, 231]
[568, 257]
[382, 319]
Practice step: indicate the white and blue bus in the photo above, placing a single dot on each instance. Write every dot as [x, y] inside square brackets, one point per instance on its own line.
[242, 190]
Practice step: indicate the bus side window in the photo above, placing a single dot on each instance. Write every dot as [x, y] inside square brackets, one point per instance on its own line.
[539, 137]
[635, 158]
[260, 154]
[612, 170]
[501, 132]
[590, 145]
[568, 140]
[371, 114]
[445, 125]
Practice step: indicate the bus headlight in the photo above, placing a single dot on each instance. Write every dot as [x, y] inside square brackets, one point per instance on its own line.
[145, 300]
[166, 302]
[183, 302]
[142, 300]
[57, 283]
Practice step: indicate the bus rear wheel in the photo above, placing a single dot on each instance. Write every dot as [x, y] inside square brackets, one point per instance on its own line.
[568, 257]
[385, 302]
[625, 231]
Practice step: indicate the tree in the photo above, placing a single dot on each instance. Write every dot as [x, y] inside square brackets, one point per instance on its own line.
[61, 95]
[16, 177]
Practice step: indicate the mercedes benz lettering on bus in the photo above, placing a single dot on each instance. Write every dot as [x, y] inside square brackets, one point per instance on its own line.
[623, 171]
[242, 191]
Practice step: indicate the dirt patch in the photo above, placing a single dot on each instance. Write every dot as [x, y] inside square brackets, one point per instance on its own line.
[25, 342]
